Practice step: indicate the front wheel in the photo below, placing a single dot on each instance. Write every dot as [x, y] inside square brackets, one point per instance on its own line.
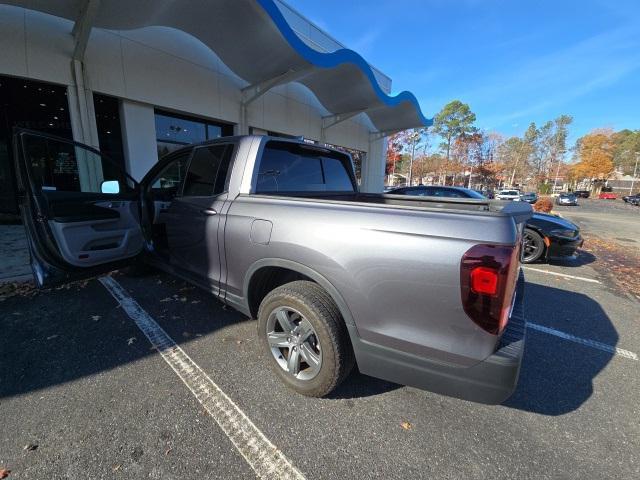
[532, 246]
[304, 338]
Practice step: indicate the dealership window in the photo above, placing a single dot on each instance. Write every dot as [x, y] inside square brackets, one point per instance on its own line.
[107, 110]
[108, 123]
[174, 131]
[28, 104]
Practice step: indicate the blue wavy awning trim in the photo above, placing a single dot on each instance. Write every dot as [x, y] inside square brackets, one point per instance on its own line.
[336, 58]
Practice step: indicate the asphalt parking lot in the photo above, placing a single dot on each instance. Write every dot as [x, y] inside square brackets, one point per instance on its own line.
[90, 396]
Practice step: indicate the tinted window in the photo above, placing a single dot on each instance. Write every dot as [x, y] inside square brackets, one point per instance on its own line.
[29, 104]
[56, 165]
[445, 192]
[336, 177]
[290, 167]
[170, 178]
[208, 171]
[419, 191]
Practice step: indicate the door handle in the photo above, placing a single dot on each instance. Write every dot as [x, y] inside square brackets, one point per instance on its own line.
[208, 211]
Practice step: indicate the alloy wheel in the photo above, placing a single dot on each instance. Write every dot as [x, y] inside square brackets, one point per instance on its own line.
[294, 343]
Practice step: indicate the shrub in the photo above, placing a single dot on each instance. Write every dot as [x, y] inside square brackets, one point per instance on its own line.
[543, 205]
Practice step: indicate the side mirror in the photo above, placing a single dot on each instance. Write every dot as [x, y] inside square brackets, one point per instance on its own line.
[110, 186]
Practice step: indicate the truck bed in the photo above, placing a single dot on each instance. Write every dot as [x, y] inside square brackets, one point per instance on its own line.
[519, 210]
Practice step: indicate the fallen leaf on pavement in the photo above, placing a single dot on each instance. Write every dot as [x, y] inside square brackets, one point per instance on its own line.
[4, 473]
[131, 340]
[406, 425]
[186, 334]
[115, 468]
[95, 318]
[167, 451]
[195, 301]
[52, 337]
[183, 299]
[30, 447]
[168, 299]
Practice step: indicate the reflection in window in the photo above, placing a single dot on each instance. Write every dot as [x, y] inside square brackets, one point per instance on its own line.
[28, 104]
[175, 131]
[107, 111]
[290, 167]
[58, 165]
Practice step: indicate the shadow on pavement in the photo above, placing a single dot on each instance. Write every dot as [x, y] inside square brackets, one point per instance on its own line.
[582, 258]
[55, 336]
[557, 374]
[68, 334]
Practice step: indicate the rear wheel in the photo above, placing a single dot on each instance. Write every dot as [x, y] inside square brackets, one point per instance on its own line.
[532, 246]
[304, 338]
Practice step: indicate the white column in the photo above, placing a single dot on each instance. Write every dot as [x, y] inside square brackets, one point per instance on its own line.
[373, 167]
[139, 137]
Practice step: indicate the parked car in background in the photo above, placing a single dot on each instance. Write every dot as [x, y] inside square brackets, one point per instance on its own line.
[582, 193]
[548, 236]
[508, 195]
[545, 236]
[607, 196]
[277, 229]
[530, 197]
[635, 201]
[567, 199]
[631, 198]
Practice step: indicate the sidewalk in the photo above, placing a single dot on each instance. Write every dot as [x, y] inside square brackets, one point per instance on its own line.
[14, 254]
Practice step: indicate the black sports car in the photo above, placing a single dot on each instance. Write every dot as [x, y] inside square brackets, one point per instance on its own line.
[545, 236]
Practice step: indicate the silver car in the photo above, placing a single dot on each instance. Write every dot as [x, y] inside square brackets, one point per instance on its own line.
[423, 291]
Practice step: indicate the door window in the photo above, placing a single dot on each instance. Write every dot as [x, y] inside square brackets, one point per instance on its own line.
[58, 165]
[167, 182]
[208, 169]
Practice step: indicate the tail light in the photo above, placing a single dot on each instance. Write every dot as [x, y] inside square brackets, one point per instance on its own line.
[488, 276]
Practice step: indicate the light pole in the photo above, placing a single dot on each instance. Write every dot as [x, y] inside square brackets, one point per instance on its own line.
[555, 181]
[635, 170]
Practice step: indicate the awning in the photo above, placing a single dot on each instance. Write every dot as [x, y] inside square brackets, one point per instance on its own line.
[255, 41]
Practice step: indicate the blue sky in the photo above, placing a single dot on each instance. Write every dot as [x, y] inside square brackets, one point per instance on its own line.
[514, 62]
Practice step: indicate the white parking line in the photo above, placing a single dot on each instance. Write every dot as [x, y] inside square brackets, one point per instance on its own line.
[584, 341]
[265, 459]
[584, 279]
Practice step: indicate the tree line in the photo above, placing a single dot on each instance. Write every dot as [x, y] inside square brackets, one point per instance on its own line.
[454, 151]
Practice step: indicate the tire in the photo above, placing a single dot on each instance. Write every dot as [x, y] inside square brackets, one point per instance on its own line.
[533, 246]
[306, 306]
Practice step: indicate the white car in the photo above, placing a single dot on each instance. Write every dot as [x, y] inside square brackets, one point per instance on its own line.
[508, 195]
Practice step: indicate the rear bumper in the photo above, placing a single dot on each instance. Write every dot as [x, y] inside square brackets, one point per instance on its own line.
[490, 381]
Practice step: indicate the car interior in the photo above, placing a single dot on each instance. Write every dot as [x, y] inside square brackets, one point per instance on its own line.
[90, 206]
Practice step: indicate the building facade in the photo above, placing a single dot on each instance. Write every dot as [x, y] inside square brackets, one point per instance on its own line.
[138, 92]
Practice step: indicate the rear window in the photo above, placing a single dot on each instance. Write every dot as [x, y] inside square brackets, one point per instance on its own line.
[291, 167]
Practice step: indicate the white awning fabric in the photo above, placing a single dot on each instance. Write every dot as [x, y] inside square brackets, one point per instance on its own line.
[255, 41]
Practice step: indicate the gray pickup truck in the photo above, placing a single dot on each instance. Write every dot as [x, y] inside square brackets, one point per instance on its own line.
[419, 291]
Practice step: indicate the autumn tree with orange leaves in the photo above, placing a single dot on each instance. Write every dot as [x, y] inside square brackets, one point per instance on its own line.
[595, 156]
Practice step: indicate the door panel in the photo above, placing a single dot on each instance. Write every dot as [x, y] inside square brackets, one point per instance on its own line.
[97, 233]
[192, 234]
[75, 228]
[193, 219]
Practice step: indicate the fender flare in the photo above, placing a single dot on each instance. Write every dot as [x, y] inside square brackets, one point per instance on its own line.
[303, 270]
